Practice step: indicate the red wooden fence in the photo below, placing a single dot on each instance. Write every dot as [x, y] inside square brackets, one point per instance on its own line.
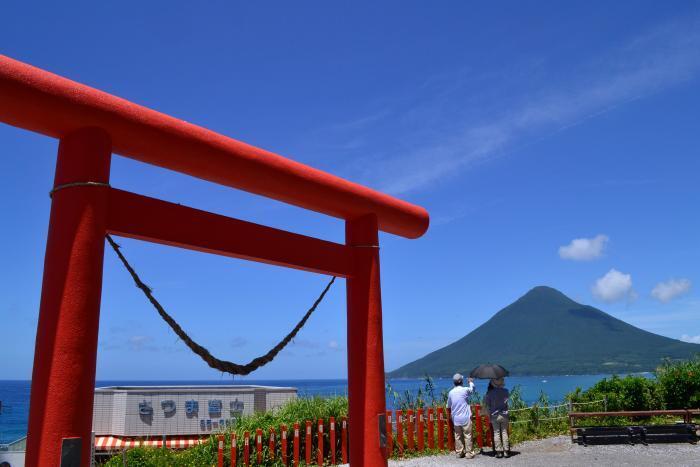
[296, 444]
[399, 431]
[309, 440]
[319, 438]
[405, 431]
[271, 444]
[246, 448]
[421, 431]
[344, 438]
[441, 428]
[431, 429]
[410, 424]
[258, 445]
[333, 447]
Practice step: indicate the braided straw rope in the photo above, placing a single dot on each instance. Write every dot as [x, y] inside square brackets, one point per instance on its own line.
[221, 365]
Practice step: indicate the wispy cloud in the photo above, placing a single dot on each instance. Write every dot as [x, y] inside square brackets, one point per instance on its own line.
[134, 343]
[361, 122]
[304, 344]
[238, 342]
[685, 314]
[140, 343]
[652, 62]
[670, 289]
[691, 339]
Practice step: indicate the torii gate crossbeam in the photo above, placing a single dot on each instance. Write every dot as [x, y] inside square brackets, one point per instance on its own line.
[91, 125]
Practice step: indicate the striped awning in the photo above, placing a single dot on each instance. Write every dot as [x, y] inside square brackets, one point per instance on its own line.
[108, 443]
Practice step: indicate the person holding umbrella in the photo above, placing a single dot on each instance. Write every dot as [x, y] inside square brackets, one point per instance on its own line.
[458, 403]
[496, 402]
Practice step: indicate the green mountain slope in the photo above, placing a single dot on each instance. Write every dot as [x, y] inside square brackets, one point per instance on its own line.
[544, 332]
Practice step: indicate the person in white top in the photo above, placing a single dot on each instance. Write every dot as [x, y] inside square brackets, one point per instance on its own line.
[458, 403]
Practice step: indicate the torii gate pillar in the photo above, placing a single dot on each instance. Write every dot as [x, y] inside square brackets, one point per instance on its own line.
[63, 379]
[365, 343]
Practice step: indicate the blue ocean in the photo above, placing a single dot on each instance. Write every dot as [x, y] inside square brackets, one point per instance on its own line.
[14, 395]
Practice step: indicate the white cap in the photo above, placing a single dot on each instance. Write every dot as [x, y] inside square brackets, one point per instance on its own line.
[457, 378]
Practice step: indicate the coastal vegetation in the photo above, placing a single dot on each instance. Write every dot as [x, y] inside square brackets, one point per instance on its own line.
[675, 385]
[205, 454]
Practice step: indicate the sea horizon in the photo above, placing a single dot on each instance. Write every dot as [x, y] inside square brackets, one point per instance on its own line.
[14, 393]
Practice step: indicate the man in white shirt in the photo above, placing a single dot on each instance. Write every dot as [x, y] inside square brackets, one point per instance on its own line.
[458, 403]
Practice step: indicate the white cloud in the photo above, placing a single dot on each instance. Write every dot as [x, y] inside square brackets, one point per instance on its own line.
[139, 343]
[584, 249]
[238, 341]
[305, 343]
[333, 345]
[653, 61]
[670, 289]
[691, 339]
[613, 286]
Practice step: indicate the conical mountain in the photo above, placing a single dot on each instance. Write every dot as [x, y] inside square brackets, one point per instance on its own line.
[544, 332]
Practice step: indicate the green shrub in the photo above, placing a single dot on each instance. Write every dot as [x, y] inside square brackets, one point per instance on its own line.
[679, 383]
[629, 393]
[425, 396]
[205, 454]
[143, 457]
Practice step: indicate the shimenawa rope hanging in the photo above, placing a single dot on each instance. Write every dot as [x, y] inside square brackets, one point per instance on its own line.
[221, 365]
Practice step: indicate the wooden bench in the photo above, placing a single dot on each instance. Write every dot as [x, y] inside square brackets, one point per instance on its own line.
[686, 431]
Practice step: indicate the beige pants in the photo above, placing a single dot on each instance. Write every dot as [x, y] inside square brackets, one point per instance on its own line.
[500, 433]
[463, 439]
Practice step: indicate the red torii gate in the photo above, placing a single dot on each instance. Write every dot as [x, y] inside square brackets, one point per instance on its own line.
[91, 125]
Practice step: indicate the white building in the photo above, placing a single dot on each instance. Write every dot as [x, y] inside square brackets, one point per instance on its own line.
[177, 416]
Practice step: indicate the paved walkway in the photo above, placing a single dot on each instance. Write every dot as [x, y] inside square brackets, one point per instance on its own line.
[559, 451]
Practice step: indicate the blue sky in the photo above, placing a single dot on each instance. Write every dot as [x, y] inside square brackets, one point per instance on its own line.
[520, 126]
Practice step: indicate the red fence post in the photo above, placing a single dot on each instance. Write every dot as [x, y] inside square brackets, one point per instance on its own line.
[479, 428]
[450, 431]
[234, 449]
[63, 378]
[319, 435]
[344, 440]
[283, 443]
[431, 429]
[220, 451]
[271, 444]
[246, 448]
[441, 428]
[308, 438]
[489, 434]
[399, 431]
[389, 434]
[332, 446]
[258, 445]
[410, 424]
[421, 430]
[365, 342]
[296, 445]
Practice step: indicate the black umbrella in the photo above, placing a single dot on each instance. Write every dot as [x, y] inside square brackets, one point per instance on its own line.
[488, 372]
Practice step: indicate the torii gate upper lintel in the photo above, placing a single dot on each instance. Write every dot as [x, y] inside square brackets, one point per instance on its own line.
[91, 125]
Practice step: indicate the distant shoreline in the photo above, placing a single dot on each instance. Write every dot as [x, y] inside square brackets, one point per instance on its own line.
[320, 380]
[527, 375]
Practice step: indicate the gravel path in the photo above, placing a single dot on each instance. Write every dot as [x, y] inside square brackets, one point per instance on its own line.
[560, 451]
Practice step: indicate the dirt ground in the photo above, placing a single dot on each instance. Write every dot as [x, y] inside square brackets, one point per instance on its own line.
[559, 451]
